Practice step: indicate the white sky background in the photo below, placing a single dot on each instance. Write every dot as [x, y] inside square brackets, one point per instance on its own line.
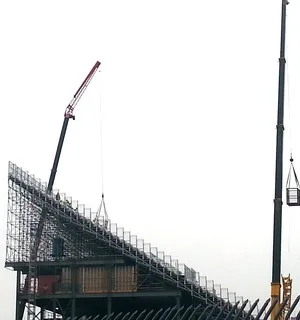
[189, 105]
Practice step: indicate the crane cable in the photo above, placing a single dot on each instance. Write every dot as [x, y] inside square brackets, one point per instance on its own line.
[102, 203]
[291, 146]
[289, 109]
[101, 148]
[290, 136]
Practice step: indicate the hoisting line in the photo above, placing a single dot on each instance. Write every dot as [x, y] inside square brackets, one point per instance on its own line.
[290, 137]
[102, 203]
[289, 216]
[289, 107]
[101, 148]
[288, 184]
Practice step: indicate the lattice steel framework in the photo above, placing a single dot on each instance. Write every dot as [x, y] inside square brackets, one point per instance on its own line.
[86, 235]
[26, 196]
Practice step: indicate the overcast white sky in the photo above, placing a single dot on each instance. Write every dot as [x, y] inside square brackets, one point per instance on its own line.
[189, 102]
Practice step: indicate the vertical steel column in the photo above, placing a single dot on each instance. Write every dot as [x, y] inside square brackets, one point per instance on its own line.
[178, 307]
[42, 313]
[18, 302]
[54, 308]
[110, 287]
[73, 283]
[109, 305]
[276, 266]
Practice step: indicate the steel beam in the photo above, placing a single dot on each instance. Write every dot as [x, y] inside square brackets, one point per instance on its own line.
[106, 295]
[98, 262]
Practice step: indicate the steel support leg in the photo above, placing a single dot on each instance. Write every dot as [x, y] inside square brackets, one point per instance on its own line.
[42, 313]
[18, 302]
[73, 301]
[54, 309]
[73, 311]
[109, 305]
[178, 307]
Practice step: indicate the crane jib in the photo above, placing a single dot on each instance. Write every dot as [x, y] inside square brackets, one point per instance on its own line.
[80, 91]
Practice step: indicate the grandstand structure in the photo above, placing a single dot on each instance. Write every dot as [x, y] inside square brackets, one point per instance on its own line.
[87, 265]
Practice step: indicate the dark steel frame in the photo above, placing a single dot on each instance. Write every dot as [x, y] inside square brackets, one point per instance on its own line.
[195, 313]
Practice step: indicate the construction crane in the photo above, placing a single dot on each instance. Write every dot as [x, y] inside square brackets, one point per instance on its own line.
[30, 282]
[276, 263]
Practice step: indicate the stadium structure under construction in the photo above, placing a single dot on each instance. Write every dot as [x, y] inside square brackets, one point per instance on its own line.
[87, 265]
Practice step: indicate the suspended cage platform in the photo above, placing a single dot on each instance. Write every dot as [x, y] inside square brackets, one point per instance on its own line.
[292, 193]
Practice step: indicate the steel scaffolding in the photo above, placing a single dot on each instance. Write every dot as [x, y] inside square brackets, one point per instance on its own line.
[86, 236]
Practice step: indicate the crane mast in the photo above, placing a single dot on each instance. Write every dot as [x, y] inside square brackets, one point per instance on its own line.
[276, 264]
